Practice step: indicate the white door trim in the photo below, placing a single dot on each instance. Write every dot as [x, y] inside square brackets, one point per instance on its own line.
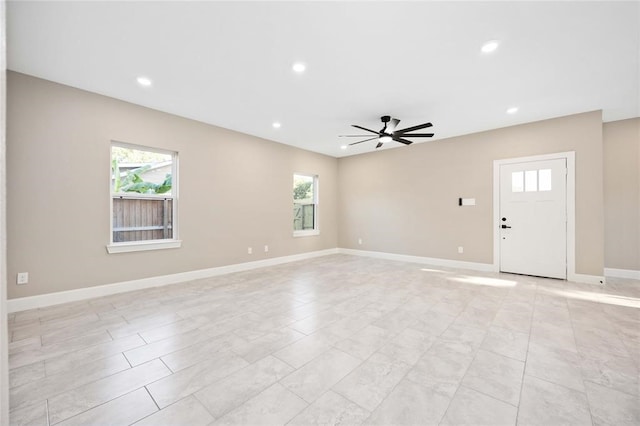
[571, 206]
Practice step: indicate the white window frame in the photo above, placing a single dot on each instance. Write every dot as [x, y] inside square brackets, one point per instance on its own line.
[145, 245]
[316, 209]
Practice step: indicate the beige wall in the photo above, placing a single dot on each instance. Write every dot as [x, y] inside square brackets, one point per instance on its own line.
[622, 194]
[405, 200]
[235, 190]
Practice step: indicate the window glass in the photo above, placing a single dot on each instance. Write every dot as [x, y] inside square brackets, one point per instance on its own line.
[304, 202]
[544, 180]
[517, 181]
[138, 171]
[142, 193]
[531, 180]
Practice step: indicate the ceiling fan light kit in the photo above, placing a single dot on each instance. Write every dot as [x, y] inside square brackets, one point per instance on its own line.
[389, 133]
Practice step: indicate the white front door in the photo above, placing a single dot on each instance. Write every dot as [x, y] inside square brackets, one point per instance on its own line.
[533, 218]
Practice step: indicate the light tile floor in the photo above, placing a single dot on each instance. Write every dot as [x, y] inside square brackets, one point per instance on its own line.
[334, 340]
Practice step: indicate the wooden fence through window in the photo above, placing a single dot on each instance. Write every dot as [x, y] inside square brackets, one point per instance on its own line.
[141, 219]
[303, 216]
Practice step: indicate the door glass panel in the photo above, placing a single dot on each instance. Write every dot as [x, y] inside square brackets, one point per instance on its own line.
[531, 180]
[517, 181]
[544, 180]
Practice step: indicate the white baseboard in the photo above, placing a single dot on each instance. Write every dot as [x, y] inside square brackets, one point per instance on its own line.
[40, 301]
[622, 273]
[447, 263]
[586, 279]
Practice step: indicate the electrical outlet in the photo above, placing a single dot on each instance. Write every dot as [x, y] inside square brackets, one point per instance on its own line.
[460, 250]
[249, 250]
[266, 248]
[359, 241]
[22, 278]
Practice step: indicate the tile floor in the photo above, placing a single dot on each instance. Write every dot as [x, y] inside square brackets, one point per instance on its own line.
[334, 340]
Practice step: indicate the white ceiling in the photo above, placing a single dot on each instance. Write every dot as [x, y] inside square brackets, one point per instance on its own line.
[229, 63]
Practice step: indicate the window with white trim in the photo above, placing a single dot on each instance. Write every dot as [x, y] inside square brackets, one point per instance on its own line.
[531, 180]
[143, 198]
[305, 205]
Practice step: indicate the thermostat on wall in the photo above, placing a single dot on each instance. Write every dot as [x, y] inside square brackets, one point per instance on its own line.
[466, 201]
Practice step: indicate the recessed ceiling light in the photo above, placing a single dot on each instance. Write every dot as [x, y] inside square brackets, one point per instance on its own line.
[276, 125]
[512, 110]
[490, 46]
[144, 81]
[343, 147]
[299, 67]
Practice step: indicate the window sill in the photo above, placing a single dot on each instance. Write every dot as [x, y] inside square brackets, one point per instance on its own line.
[306, 233]
[143, 246]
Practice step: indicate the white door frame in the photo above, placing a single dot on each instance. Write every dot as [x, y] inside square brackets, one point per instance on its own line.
[571, 206]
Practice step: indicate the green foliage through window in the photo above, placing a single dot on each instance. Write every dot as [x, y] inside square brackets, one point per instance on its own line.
[302, 190]
[133, 182]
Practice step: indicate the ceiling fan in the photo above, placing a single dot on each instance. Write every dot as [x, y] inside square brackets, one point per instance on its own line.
[389, 133]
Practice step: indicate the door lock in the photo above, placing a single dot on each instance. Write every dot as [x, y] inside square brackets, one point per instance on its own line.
[505, 226]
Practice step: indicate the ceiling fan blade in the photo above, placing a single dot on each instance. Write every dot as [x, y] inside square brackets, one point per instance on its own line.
[404, 141]
[391, 127]
[417, 135]
[364, 128]
[379, 145]
[366, 140]
[411, 129]
[353, 136]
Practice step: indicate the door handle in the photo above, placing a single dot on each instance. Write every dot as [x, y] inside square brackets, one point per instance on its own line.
[505, 226]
